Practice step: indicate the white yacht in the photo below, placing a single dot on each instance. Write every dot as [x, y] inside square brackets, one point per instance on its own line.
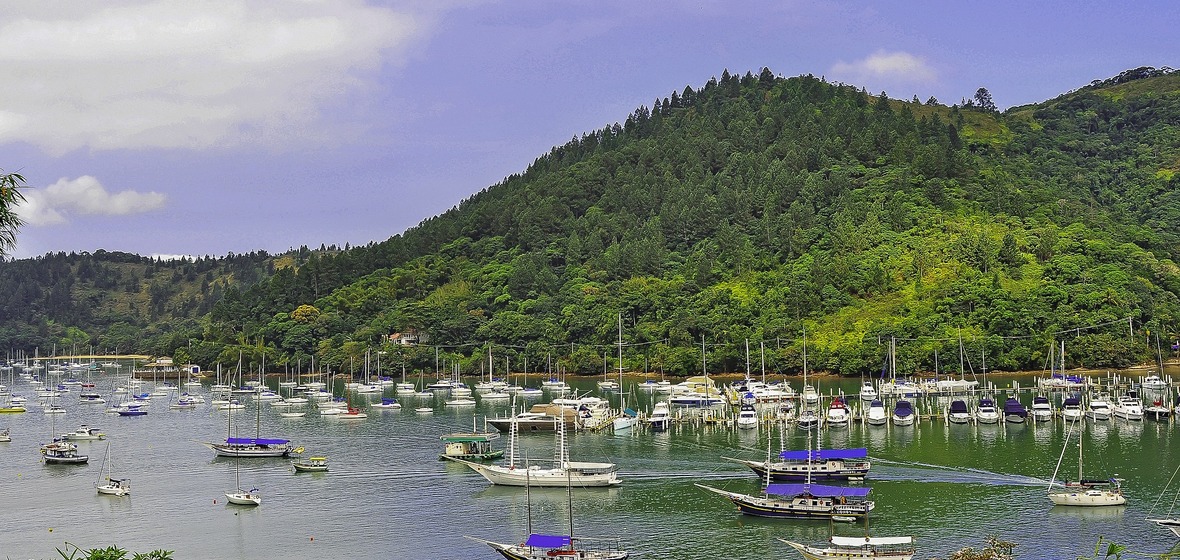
[877, 415]
[1128, 407]
[1099, 407]
[987, 413]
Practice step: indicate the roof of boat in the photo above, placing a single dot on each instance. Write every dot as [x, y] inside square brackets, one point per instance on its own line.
[818, 490]
[823, 454]
[876, 541]
[547, 541]
[469, 436]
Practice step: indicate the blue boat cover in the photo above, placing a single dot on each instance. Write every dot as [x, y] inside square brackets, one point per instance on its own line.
[1072, 401]
[547, 541]
[1013, 406]
[825, 454]
[958, 407]
[255, 441]
[818, 490]
[903, 409]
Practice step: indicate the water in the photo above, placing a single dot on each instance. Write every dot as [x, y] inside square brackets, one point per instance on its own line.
[388, 495]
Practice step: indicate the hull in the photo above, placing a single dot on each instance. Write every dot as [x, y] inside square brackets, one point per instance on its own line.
[800, 507]
[847, 553]
[578, 475]
[797, 472]
[521, 552]
[244, 499]
[113, 490]
[74, 460]
[224, 450]
[1090, 498]
[310, 468]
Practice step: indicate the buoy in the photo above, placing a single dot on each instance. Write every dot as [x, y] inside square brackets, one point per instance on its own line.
[51, 529]
[214, 501]
[312, 539]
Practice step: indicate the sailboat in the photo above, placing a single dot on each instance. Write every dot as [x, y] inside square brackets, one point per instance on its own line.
[242, 497]
[627, 417]
[1171, 521]
[1086, 493]
[251, 447]
[807, 500]
[111, 486]
[548, 547]
[858, 548]
[562, 472]
[60, 452]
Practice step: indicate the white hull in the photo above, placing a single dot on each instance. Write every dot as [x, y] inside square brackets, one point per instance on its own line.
[578, 475]
[1087, 498]
[113, 490]
[243, 498]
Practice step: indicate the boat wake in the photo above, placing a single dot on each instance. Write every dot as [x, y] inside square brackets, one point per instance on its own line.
[884, 469]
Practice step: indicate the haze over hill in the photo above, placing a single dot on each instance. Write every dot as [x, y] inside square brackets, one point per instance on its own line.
[746, 209]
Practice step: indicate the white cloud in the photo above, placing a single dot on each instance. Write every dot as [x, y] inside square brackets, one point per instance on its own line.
[889, 67]
[84, 195]
[177, 73]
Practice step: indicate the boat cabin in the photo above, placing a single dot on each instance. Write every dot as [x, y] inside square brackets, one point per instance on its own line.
[471, 445]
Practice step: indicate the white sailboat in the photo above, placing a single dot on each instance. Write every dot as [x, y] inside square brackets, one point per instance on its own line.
[241, 497]
[1084, 493]
[109, 486]
[627, 417]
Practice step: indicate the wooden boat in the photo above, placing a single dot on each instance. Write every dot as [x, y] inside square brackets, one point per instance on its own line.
[473, 446]
[856, 548]
[808, 501]
[312, 464]
[820, 463]
[62, 453]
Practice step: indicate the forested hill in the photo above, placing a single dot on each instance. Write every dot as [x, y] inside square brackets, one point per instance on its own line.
[754, 207]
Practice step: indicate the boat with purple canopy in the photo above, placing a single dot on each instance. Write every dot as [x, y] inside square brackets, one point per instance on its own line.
[797, 465]
[538, 547]
[252, 447]
[1014, 411]
[807, 501]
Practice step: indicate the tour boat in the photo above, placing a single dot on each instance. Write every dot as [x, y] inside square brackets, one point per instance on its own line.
[808, 501]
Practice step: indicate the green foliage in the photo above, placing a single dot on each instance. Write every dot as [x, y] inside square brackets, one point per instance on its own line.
[737, 211]
[73, 552]
[10, 195]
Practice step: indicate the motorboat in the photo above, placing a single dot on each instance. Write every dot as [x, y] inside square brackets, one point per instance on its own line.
[1014, 411]
[1071, 409]
[1128, 407]
[986, 412]
[1158, 411]
[838, 414]
[660, 418]
[1153, 383]
[84, 433]
[798, 465]
[958, 413]
[387, 403]
[903, 413]
[877, 415]
[1099, 408]
[868, 393]
[808, 418]
[1042, 409]
[747, 417]
[311, 464]
[858, 548]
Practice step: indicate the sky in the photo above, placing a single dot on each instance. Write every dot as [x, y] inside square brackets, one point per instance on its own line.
[171, 128]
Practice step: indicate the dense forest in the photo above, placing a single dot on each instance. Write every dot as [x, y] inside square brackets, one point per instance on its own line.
[755, 215]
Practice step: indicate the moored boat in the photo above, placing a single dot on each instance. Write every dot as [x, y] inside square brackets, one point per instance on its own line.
[876, 415]
[958, 413]
[817, 463]
[809, 501]
[311, 464]
[475, 446]
[857, 548]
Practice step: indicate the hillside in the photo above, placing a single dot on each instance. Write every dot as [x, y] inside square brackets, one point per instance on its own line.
[753, 208]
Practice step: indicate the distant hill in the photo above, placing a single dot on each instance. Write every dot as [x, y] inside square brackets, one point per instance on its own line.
[744, 210]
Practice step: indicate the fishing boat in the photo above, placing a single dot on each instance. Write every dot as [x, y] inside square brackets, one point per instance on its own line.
[311, 464]
[847, 464]
[903, 413]
[111, 486]
[1082, 492]
[857, 548]
[562, 472]
[958, 413]
[84, 433]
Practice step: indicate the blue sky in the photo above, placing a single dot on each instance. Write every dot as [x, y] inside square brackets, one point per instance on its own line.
[202, 128]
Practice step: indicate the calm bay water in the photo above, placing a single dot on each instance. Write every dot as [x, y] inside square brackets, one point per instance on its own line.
[388, 495]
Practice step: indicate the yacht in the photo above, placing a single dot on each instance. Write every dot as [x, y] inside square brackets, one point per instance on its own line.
[1071, 409]
[986, 413]
[660, 418]
[747, 415]
[1042, 410]
[958, 413]
[903, 413]
[877, 416]
[838, 414]
[1099, 408]
[1014, 411]
[1128, 407]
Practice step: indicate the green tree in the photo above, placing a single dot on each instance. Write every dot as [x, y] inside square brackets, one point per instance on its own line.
[10, 196]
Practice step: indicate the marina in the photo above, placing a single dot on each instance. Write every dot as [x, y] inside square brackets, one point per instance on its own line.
[944, 483]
